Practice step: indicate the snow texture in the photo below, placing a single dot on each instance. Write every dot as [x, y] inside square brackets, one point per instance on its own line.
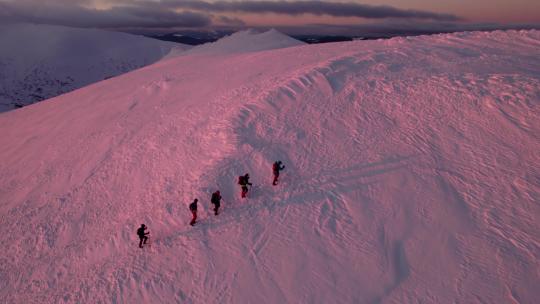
[38, 62]
[411, 177]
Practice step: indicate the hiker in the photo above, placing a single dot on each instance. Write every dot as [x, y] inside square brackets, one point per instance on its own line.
[276, 167]
[243, 180]
[142, 235]
[216, 200]
[193, 209]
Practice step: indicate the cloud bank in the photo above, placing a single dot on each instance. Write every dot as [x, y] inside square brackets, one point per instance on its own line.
[188, 13]
[115, 17]
[335, 9]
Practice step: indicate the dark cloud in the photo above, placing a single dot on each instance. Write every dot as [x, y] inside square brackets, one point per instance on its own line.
[400, 28]
[161, 16]
[186, 13]
[336, 9]
[116, 17]
[151, 16]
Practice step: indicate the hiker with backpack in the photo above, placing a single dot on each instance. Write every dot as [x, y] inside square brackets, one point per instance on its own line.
[276, 167]
[193, 209]
[243, 181]
[216, 201]
[142, 235]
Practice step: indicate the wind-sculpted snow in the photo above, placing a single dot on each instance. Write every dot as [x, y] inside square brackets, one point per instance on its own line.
[38, 62]
[411, 176]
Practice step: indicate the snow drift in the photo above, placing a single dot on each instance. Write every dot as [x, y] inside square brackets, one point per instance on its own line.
[411, 176]
[38, 62]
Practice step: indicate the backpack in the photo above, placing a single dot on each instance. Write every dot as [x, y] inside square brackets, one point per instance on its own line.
[241, 180]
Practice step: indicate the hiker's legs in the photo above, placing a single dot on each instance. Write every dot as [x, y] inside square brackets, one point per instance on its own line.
[194, 218]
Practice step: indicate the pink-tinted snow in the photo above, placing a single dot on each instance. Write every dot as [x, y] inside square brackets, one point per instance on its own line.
[411, 177]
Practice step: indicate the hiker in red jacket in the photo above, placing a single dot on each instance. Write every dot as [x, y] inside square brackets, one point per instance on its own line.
[193, 209]
[243, 181]
[276, 167]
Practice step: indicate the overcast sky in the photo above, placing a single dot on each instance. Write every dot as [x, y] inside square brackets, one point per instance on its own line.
[296, 16]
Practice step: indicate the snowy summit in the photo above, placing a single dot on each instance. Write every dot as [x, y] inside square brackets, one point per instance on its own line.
[410, 176]
[246, 41]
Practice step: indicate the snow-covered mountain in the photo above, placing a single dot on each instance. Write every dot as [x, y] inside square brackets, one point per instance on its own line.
[411, 177]
[38, 62]
[245, 42]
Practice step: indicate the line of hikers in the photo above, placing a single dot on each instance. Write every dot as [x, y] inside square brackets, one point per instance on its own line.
[243, 181]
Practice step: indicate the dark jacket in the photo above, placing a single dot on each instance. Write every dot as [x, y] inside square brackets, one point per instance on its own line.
[276, 167]
[244, 180]
[193, 206]
[140, 232]
[216, 198]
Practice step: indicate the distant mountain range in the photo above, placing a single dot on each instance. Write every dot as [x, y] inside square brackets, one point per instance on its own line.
[192, 37]
[197, 38]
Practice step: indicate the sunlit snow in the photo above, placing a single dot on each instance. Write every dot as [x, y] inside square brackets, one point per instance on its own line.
[411, 177]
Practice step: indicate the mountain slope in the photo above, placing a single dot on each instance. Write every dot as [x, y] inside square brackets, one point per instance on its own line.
[38, 62]
[411, 175]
